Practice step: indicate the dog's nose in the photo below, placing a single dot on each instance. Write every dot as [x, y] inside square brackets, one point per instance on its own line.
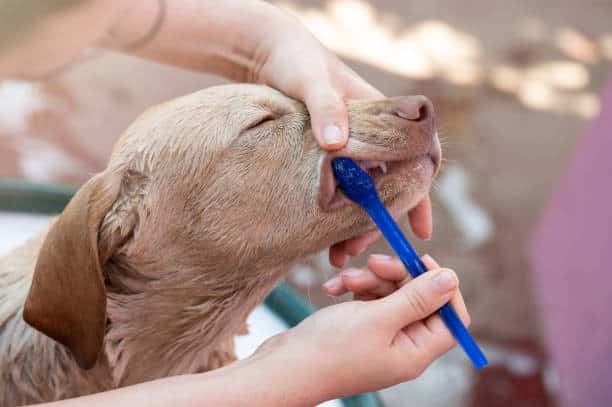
[414, 109]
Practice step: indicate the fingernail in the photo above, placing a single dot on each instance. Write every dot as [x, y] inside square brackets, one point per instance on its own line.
[445, 281]
[382, 257]
[332, 134]
[333, 284]
[353, 273]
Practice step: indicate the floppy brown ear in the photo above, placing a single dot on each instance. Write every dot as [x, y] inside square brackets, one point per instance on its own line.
[67, 299]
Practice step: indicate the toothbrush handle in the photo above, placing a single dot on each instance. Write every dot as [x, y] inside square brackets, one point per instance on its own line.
[415, 266]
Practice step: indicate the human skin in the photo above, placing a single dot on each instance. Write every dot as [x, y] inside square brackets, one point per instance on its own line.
[387, 337]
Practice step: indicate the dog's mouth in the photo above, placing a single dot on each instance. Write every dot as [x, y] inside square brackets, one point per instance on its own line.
[385, 168]
[382, 167]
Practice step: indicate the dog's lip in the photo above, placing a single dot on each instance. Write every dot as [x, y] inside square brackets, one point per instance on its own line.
[436, 154]
[327, 195]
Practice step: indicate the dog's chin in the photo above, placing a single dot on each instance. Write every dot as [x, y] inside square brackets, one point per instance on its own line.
[398, 205]
[394, 173]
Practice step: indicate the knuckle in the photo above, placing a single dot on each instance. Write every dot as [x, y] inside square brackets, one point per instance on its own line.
[417, 301]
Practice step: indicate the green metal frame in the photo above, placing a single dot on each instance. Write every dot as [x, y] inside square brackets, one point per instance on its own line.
[284, 301]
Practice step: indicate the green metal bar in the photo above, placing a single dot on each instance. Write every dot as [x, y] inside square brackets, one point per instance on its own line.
[20, 196]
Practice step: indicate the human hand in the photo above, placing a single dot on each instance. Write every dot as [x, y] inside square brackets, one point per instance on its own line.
[360, 346]
[292, 60]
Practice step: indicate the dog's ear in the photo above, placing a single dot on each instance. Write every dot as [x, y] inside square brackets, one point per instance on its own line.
[67, 299]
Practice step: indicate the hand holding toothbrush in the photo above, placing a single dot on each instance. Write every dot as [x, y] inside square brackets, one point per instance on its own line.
[387, 336]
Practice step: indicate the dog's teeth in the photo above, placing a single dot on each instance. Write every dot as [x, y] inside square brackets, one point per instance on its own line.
[369, 164]
[366, 164]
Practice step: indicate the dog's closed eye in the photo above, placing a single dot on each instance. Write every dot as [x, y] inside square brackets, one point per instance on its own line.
[267, 117]
[265, 112]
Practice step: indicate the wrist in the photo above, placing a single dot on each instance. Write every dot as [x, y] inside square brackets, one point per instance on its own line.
[276, 375]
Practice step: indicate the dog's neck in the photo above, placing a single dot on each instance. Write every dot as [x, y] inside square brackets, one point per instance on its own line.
[157, 327]
[182, 321]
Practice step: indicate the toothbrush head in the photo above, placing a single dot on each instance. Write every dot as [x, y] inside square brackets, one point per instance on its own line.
[354, 181]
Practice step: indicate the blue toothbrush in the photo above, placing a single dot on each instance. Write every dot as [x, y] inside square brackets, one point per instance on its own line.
[359, 187]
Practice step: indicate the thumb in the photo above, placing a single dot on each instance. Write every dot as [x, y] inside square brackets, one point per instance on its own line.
[419, 298]
[328, 117]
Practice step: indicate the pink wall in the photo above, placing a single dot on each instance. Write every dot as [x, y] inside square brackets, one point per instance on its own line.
[572, 263]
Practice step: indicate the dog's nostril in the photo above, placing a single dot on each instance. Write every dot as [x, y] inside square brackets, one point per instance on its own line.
[413, 110]
[423, 113]
[414, 115]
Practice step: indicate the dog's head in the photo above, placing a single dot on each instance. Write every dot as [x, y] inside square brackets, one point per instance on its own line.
[225, 177]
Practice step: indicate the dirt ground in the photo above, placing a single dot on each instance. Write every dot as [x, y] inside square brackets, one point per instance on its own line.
[514, 86]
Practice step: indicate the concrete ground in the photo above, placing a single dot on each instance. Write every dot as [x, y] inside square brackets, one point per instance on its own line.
[514, 86]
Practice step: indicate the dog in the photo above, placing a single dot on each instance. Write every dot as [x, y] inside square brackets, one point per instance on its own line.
[206, 202]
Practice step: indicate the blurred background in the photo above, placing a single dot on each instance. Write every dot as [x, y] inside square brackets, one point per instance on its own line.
[515, 86]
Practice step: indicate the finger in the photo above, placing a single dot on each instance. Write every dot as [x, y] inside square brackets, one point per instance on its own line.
[421, 220]
[432, 335]
[358, 245]
[361, 281]
[430, 262]
[334, 287]
[338, 256]
[439, 339]
[427, 345]
[418, 299]
[387, 268]
[459, 306]
[423, 334]
[457, 300]
[328, 116]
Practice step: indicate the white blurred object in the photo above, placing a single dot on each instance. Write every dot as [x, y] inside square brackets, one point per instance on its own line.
[16, 228]
[18, 100]
[42, 161]
[472, 221]
[447, 382]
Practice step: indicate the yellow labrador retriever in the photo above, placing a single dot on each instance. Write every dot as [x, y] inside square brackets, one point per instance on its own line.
[207, 200]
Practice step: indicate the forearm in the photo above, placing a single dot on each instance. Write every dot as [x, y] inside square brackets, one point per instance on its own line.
[227, 37]
[262, 380]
